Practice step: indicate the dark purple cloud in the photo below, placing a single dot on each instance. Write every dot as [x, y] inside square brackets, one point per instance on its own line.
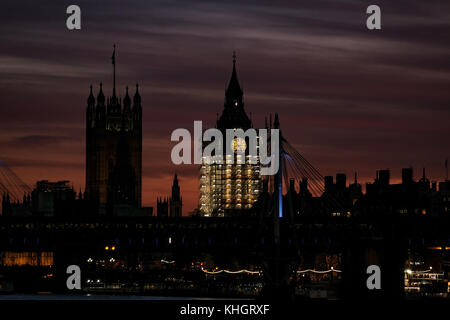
[348, 98]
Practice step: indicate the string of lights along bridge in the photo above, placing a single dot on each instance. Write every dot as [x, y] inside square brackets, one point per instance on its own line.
[260, 272]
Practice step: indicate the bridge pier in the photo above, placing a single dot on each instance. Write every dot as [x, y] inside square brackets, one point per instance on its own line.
[277, 274]
[386, 252]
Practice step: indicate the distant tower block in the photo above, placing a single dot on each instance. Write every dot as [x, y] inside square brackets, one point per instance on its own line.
[341, 181]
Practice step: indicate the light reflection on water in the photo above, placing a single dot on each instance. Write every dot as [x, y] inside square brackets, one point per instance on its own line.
[99, 297]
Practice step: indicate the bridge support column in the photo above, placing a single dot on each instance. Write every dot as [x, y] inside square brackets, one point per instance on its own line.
[387, 253]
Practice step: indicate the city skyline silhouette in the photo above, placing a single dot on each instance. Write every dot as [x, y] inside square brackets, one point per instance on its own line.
[202, 156]
[345, 98]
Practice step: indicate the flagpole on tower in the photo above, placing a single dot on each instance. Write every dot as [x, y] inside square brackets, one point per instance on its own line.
[113, 59]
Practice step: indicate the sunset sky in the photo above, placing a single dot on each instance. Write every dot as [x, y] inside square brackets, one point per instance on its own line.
[349, 99]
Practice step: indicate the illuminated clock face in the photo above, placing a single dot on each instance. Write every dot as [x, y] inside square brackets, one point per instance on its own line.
[238, 144]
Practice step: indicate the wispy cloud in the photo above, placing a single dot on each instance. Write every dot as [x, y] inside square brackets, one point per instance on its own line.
[349, 98]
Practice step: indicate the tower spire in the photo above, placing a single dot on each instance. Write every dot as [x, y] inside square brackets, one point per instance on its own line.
[113, 60]
[126, 99]
[91, 99]
[233, 94]
[137, 97]
[100, 96]
[276, 122]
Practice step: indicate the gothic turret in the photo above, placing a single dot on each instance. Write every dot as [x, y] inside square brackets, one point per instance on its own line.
[137, 107]
[126, 100]
[90, 111]
[91, 99]
[137, 97]
[126, 114]
[100, 110]
[100, 96]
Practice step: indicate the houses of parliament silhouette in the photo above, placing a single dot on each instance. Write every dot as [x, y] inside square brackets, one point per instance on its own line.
[114, 155]
[113, 166]
[114, 175]
[310, 222]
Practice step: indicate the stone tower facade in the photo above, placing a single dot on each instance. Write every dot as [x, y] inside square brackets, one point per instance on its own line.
[114, 148]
